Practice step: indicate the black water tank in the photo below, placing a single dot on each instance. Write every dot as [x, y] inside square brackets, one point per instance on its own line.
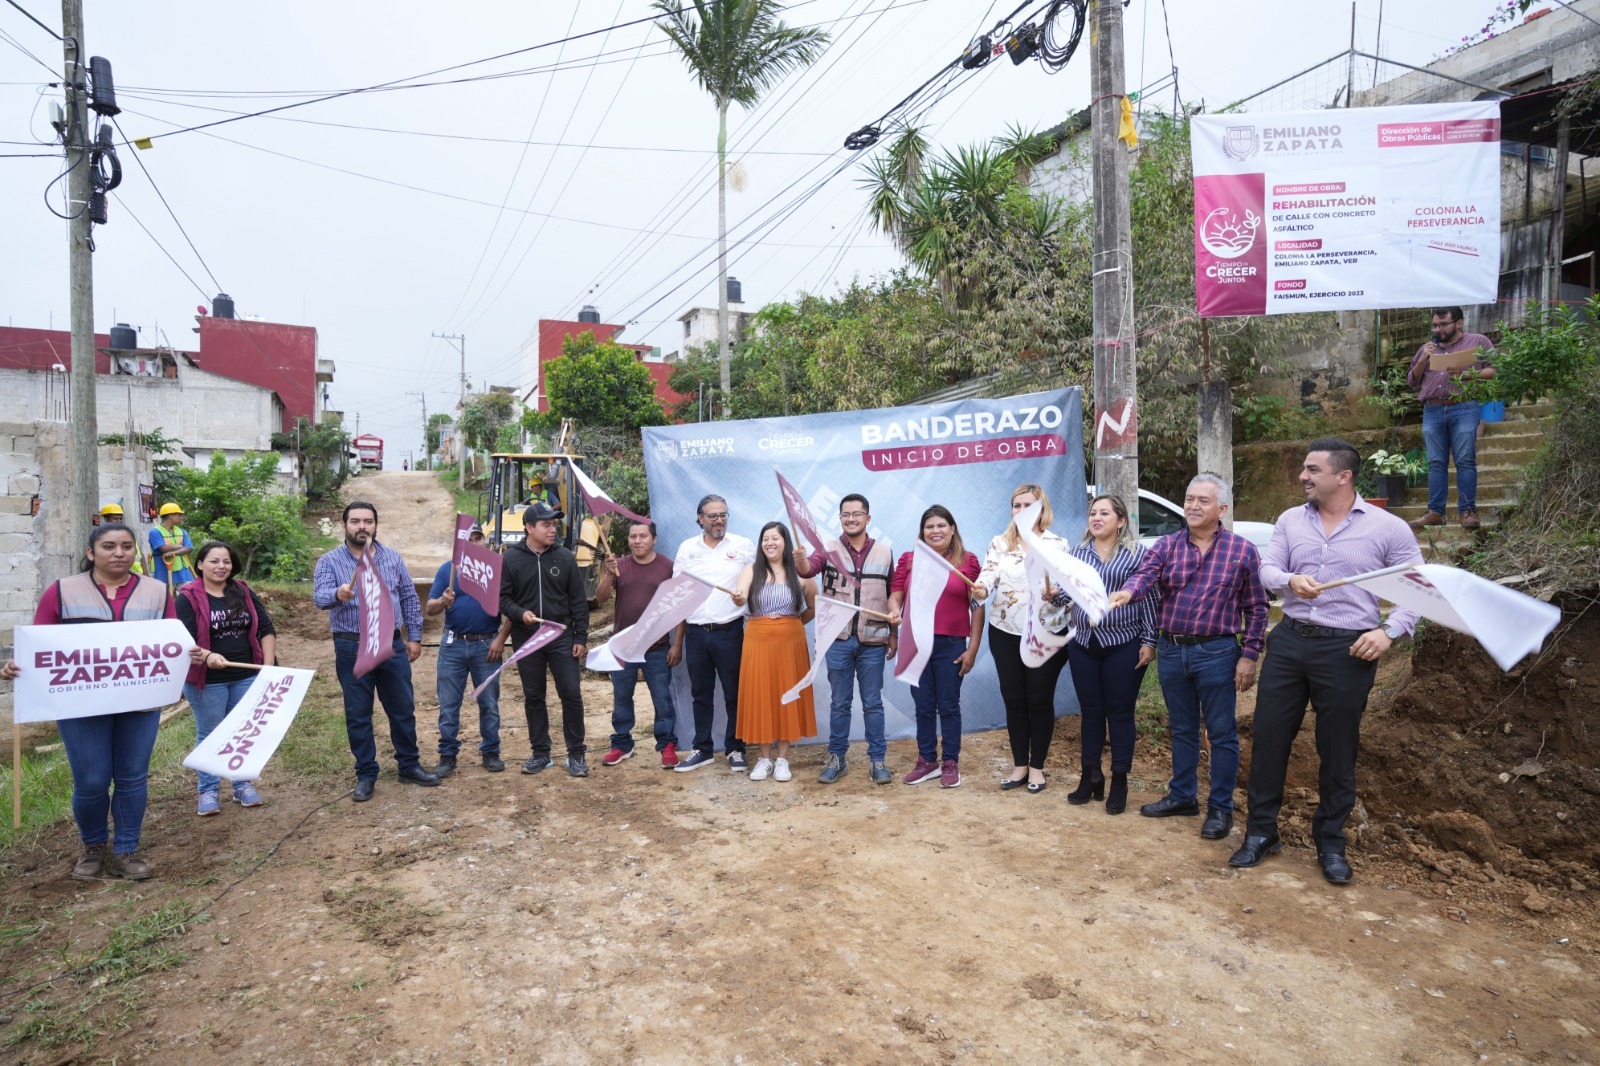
[589, 314]
[222, 306]
[124, 338]
[735, 290]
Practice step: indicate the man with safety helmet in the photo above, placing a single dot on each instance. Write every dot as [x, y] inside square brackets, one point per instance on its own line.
[170, 541]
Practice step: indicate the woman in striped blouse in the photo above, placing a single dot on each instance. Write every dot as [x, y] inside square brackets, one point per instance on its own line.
[1108, 661]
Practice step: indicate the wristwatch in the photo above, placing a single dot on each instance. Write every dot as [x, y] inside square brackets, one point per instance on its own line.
[1392, 634]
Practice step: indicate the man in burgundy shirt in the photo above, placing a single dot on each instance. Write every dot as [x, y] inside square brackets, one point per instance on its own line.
[1449, 422]
[1324, 651]
[1210, 585]
[635, 580]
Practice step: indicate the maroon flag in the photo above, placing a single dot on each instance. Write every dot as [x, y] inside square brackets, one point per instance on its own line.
[597, 501]
[376, 642]
[464, 524]
[477, 573]
[546, 632]
[800, 518]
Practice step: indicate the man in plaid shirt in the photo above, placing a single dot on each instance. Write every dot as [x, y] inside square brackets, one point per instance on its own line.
[1210, 583]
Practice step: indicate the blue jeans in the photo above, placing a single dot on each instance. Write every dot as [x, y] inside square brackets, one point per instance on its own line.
[1451, 430]
[458, 660]
[391, 683]
[937, 698]
[851, 662]
[105, 750]
[211, 705]
[1198, 681]
[712, 655]
[658, 678]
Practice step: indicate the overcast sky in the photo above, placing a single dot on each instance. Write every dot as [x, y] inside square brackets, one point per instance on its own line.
[483, 234]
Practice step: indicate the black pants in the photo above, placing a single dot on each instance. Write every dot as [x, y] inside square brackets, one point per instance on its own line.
[1298, 668]
[556, 658]
[1107, 680]
[712, 655]
[1029, 693]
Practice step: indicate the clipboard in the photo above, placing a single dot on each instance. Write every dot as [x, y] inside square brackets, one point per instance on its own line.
[1452, 361]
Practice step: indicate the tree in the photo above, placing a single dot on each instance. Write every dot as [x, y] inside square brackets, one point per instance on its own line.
[599, 384]
[483, 417]
[235, 502]
[435, 431]
[324, 449]
[736, 50]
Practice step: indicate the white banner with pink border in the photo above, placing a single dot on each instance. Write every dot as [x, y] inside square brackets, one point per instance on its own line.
[1345, 209]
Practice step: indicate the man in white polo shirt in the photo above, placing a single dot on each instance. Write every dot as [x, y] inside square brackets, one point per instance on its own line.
[715, 638]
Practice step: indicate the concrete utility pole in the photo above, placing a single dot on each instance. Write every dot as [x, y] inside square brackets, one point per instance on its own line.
[84, 498]
[427, 450]
[1214, 443]
[461, 460]
[1116, 413]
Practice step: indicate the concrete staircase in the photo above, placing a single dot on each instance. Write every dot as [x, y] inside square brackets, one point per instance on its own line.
[1503, 450]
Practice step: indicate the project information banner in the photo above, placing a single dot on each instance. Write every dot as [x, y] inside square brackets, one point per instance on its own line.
[1346, 209]
[967, 455]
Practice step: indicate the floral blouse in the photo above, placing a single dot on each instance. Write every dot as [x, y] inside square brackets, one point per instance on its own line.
[1007, 582]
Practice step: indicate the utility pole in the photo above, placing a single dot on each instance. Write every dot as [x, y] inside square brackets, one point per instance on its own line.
[461, 438]
[1214, 438]
[1116, 386]
[426, 451]
[84, 497]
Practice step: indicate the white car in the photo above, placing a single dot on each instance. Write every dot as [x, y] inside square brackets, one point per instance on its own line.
[1159, 516]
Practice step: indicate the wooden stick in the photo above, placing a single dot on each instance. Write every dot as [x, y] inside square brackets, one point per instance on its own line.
[1362, 577]
[875, 614]
[243, 666]
[16, 773]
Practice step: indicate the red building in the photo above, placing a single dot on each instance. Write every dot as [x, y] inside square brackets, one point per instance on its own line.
[273, 355]
[553, 332]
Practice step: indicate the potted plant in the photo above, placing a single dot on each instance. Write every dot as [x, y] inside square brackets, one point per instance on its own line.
[1391, 471]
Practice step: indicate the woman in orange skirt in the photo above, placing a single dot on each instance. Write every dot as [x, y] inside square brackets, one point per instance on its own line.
[775, 656]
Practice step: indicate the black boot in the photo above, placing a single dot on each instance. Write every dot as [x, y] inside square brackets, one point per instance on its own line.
[1117, 798]
[1092, 785]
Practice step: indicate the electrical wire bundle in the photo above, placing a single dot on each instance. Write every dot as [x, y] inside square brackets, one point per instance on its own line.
[1041, 39]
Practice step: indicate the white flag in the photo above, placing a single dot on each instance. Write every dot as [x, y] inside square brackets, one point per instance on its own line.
[831, 619]
[238, 749]
[603, 659]
[1039, 642]
[1081, 580]
[930, 572]
[1509, 624]
[674, 601]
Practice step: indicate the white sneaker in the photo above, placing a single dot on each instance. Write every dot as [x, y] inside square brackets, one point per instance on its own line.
[764, 768]
[780, 770]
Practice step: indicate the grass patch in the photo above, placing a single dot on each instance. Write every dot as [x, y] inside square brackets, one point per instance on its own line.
[381, 913]
[316, 745]
[467, 500]
[1150, 711]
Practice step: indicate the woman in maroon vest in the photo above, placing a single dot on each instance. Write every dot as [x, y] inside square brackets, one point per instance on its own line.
[109, 753]
[229, 624]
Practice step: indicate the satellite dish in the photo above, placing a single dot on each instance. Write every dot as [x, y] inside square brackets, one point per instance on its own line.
[201, 308]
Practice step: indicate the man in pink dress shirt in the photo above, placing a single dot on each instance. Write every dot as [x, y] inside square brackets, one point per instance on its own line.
[1325, 650]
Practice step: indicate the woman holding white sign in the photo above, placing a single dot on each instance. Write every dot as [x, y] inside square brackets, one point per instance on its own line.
[229, 625]
[1029, 692]
[1109, 660]
[109, 754]
[774, 658]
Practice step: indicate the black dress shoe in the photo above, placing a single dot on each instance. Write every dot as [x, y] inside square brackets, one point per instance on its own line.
[418, 776]
[446, 767]
[1036, 787]
[363, 789]
[1008, 784]
[1335, 867]
[1218, 825]
[493, 763]
[1167, 807]
[1254, 849]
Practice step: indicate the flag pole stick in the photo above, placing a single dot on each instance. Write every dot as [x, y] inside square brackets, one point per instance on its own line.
[16, 774]
[1362, 577]
[243, 666]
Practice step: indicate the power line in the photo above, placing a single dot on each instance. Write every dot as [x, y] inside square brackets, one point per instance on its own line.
[174, 215]
[13, 42]
[33, 20]
[170, 258]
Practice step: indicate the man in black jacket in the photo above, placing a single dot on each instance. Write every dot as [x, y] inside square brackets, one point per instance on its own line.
[541, 581]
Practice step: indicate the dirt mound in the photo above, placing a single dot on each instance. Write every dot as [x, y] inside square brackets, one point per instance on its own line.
[294, 614]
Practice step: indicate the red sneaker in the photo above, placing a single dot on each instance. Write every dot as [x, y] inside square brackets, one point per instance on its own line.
[669, 757]
[925, 770]
[949, 774]
[614, 756]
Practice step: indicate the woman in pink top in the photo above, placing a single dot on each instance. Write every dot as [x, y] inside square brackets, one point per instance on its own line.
[957, 634]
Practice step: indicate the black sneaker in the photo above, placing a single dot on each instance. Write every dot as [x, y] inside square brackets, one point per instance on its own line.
[446, 767]
[576, 766]
[493, 764]
[536, 764]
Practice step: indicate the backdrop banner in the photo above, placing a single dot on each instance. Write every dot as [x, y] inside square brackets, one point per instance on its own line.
[966, 454]
[1335, 210]
[239, 747]
[80, 671]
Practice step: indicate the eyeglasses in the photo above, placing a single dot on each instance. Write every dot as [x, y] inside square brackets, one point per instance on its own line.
[722, 517]
[852, 514]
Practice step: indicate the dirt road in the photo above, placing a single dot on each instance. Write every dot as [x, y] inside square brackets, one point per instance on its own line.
[414, 514]
[642, 916]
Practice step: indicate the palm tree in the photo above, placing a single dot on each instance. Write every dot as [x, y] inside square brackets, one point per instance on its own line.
[736, 50]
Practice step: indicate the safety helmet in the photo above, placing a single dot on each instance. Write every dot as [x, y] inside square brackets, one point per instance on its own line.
[111, 510]
[170, 508]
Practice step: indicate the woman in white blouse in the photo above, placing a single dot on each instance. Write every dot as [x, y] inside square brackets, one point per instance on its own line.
[1029, 692]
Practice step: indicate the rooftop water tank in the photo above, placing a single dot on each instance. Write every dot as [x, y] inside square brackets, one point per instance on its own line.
[589, 314]
[124, 338]
[222, 306]
[735, 290]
